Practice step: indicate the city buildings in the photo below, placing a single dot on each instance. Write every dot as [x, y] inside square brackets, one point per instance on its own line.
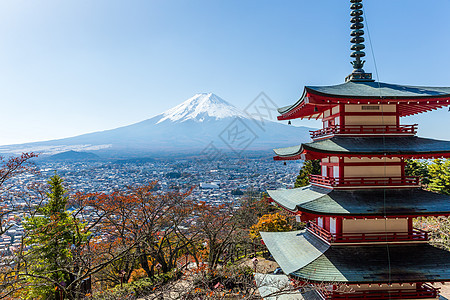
[231, 177]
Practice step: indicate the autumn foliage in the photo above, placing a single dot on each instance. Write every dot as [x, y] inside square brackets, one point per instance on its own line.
[78, 246]
[270, 223]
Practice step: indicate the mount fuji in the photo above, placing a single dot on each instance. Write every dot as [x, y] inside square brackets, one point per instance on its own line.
[204, 121]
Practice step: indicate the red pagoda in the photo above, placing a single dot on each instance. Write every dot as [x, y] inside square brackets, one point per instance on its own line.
[360, 242]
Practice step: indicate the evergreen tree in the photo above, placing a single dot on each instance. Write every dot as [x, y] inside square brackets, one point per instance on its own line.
[51, 237]
[418, 168]
[309, 167]
[435, 175]
[439, 172]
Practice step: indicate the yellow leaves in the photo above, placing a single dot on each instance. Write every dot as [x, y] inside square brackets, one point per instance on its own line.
[137, 274]
[270, 223]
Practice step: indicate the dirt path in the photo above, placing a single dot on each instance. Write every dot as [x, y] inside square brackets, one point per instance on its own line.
[264, 265]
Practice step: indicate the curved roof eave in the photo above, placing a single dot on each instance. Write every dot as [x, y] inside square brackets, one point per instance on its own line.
[379, 90]
[367, 264]
[285, 109]
[370, 146]
[326, 202]
[302, 255]
[293, 250]
[367, 91]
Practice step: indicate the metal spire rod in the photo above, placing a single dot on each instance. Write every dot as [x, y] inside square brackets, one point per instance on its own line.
[357, 40]
[357, 35]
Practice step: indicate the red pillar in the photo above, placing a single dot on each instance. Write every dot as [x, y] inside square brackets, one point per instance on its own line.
[338, 225]
[410, 224]
[342, 114]
[402, 166]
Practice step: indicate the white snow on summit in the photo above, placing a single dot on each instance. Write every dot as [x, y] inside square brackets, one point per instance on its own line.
[200, 107]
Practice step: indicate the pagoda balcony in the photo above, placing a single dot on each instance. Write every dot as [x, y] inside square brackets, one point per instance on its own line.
[364, 130]
[424, 291]
[364, 182]
[417, 235]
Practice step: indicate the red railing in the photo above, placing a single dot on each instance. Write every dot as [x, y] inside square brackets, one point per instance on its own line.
[364, 181]
[414, 235]
[323, 233]
[424, 291]
[365, 129]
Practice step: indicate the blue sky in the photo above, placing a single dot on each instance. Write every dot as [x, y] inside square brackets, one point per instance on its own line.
[72, 67]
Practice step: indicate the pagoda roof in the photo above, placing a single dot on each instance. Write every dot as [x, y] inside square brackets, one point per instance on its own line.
[301, 254]
[295, 249]
[374, 89]
[411, 99]
[371, 202]
[410, 146]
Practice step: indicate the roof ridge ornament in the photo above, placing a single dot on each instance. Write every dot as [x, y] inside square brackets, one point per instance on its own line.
[357, 40]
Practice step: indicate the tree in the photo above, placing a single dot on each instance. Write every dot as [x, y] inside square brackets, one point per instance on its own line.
[438, 228]
[270, 223]
[418, 168]
[439, 172]
[216, 225]
[172, 233]
[437, 175]
[10, 168]
[60, 252]
[310, 167]
[251, 208]
[49, 242]
[153, 228]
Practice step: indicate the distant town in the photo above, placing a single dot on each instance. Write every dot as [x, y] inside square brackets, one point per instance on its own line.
[213, 181]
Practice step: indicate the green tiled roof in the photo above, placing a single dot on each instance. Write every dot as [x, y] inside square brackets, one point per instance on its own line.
[293, 197]
[375, 90]
[294, 249]
[370, 145]
[364, 90]
[396, 263]
[362, 202]
[288, 151]
[357, 264]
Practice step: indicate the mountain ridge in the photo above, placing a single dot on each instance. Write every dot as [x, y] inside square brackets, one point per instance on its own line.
[200, 106]
[202, 120]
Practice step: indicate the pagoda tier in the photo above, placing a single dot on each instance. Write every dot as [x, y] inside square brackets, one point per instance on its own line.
[362, 216]
[317, 201]
[401, 147]
[409, 100]
[306, 257]
[362, 271]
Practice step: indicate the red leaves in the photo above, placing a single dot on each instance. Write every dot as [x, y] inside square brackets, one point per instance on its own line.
[15, 165]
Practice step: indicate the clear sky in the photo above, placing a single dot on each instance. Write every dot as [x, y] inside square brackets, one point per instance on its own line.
[77, 66]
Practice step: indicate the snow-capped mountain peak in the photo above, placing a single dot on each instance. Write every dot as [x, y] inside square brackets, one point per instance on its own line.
[200, 107]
